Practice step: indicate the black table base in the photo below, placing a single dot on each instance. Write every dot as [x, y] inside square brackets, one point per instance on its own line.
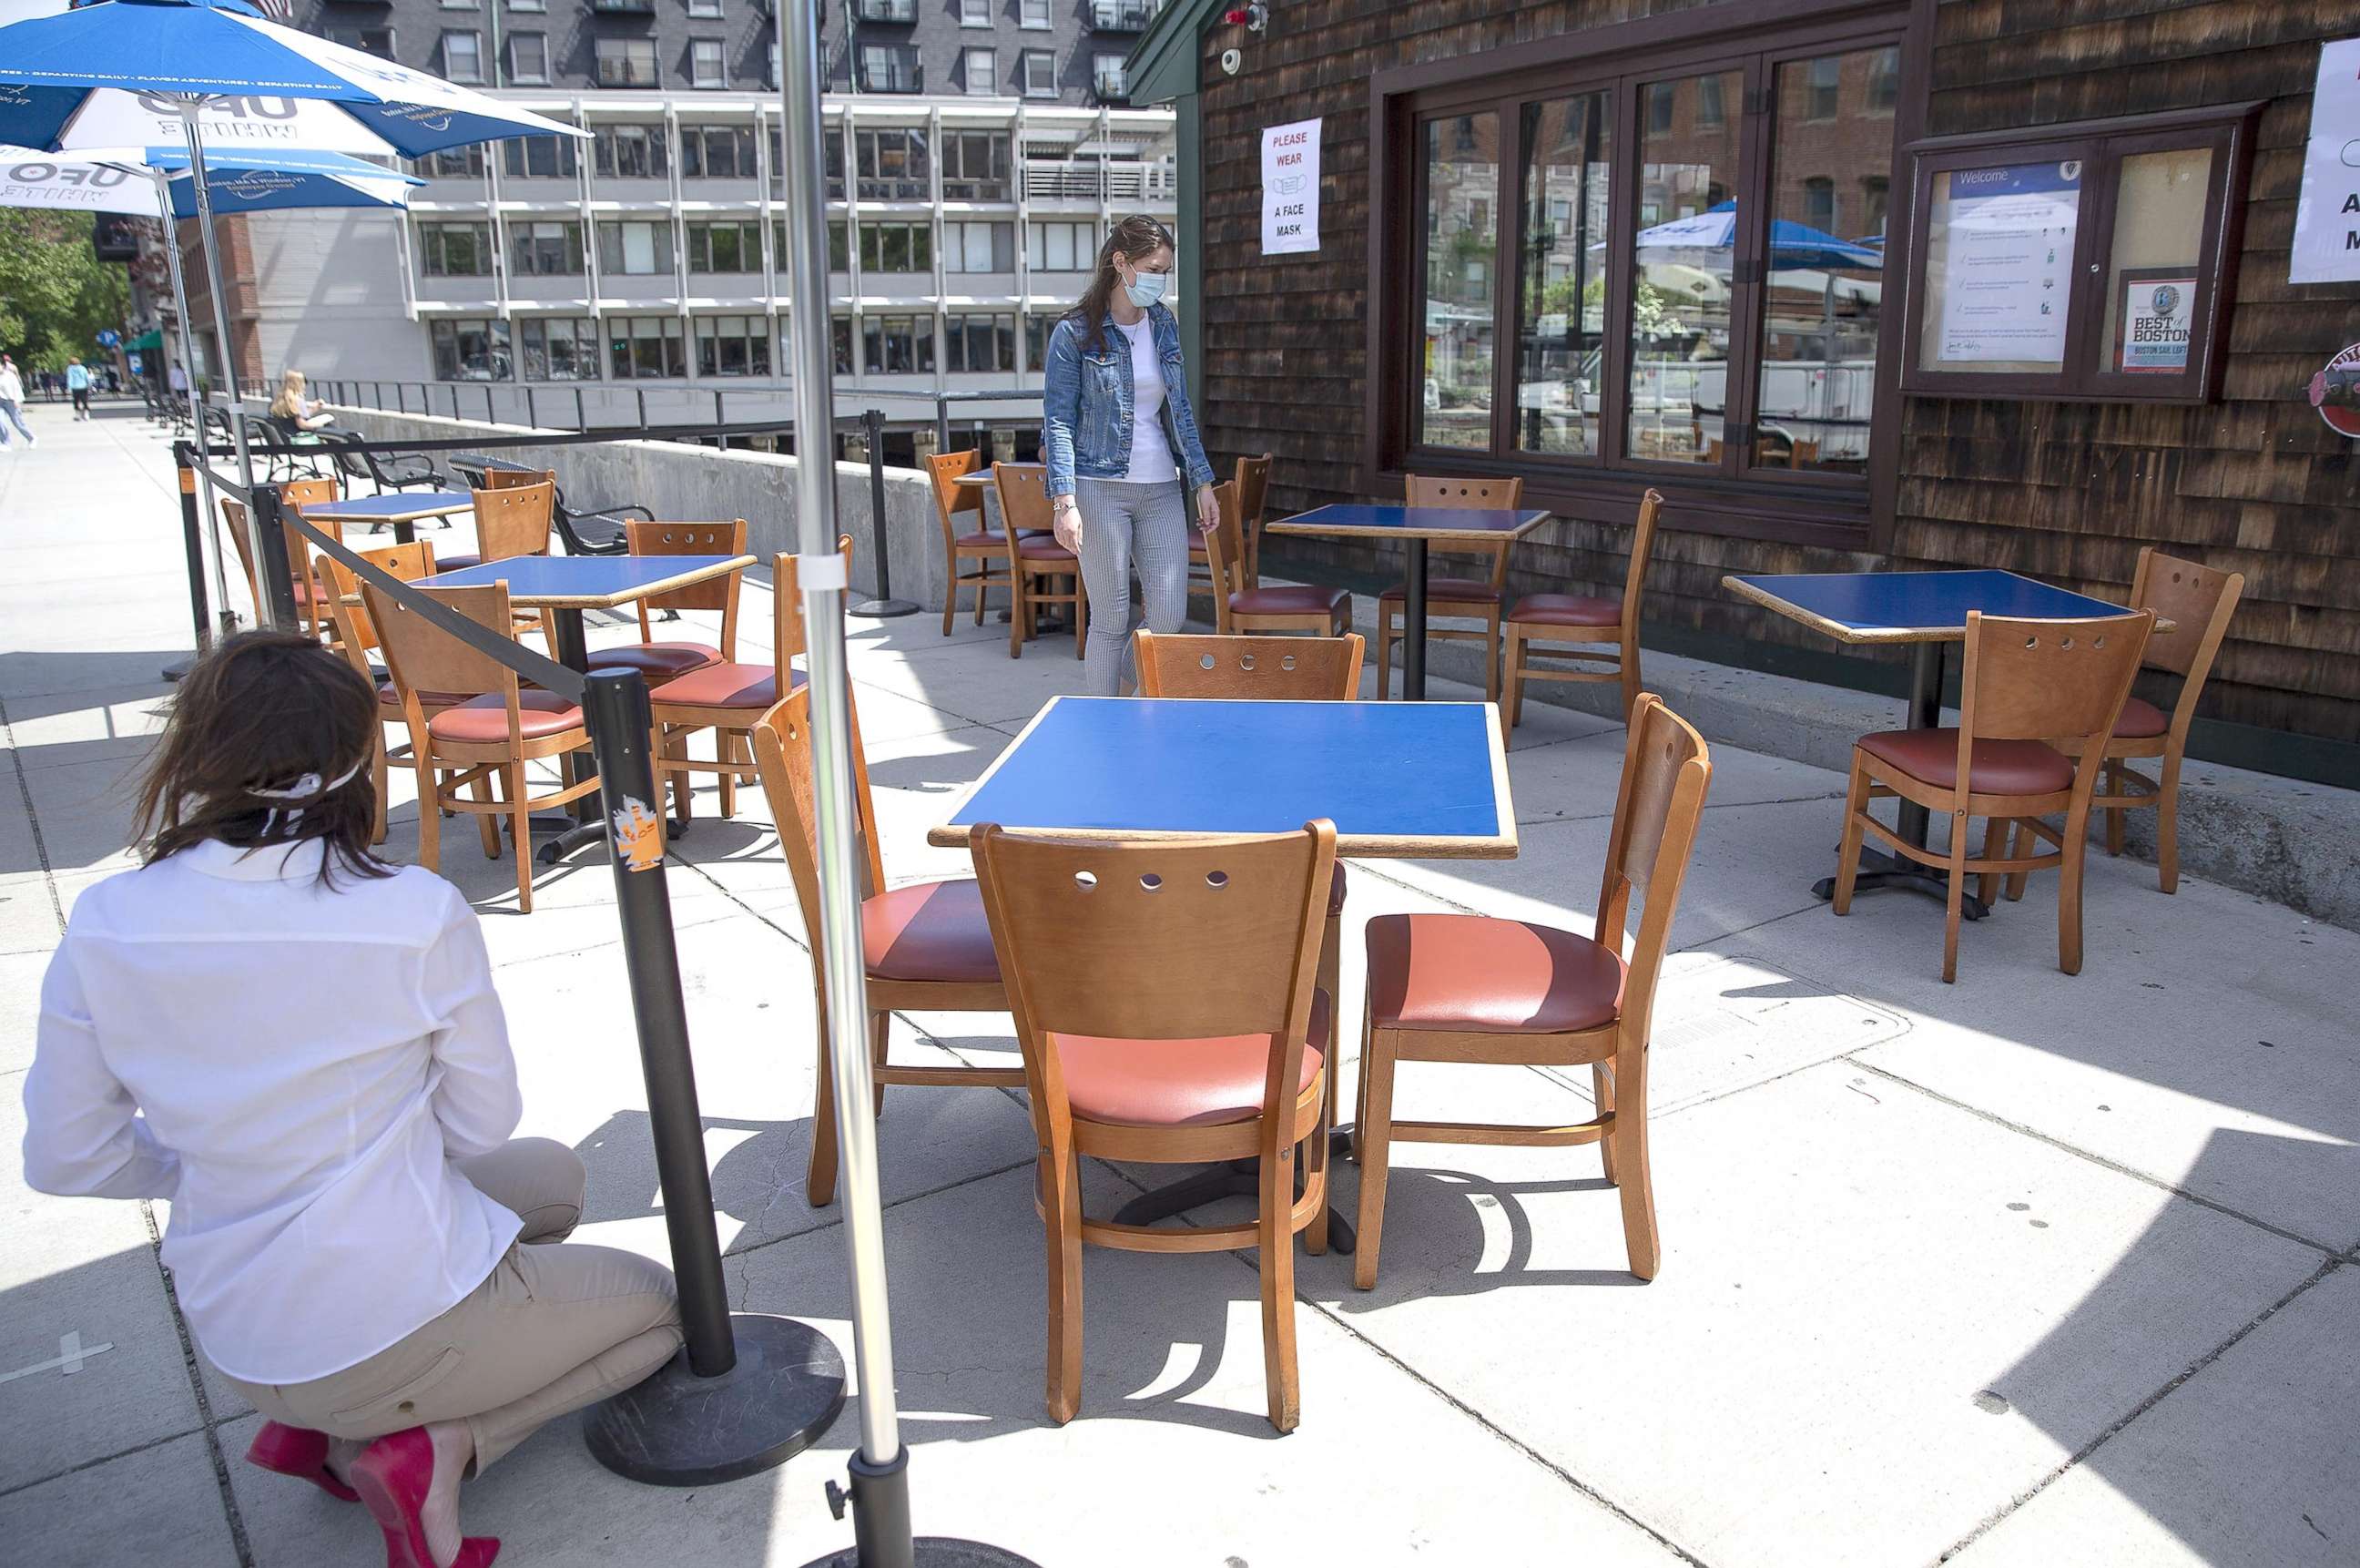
[1235, 1178]
[1879, 870]
[677, 1428]
[1413, 624]
[581, 826]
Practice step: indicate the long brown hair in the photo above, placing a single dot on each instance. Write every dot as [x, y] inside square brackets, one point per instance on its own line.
[1134, 238]
[267, 711]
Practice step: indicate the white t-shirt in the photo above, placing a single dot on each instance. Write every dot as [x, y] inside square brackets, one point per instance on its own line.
[1151, 453]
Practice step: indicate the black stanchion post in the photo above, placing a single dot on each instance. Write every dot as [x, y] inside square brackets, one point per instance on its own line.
[531, 415]
[193, 542]
[643, 406]
[271, 564]
[748, 1390]
[884, 605]
[581, 419]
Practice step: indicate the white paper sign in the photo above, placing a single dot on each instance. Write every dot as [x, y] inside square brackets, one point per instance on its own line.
[2009, 273]
[2327, 220]
[1290, 188]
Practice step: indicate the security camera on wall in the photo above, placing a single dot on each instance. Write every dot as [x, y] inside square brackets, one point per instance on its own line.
[1233, 60]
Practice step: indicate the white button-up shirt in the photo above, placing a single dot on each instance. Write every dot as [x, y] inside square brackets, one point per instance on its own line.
[294, 1067]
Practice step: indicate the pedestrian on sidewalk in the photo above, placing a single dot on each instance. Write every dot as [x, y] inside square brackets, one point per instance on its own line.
[301, 1048]
[78, 385]
[12, 403]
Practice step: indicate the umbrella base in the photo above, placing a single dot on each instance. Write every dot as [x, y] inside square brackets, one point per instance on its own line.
[935, 1551]
[882, 609]
[680, 1430]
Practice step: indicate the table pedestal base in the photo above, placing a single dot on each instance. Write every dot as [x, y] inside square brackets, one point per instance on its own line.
[1234, 1178]
[1879, 870]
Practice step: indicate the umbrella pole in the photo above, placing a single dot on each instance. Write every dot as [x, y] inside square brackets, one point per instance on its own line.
[207, 239]
[222, 619]
[879, 1494]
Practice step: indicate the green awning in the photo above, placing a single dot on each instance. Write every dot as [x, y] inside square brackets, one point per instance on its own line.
[152, 340]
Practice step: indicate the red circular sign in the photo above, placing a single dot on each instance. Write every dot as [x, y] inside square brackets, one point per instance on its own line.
[2335, 392]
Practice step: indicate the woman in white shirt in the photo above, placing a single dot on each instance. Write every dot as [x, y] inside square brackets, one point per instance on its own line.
[300, 1047]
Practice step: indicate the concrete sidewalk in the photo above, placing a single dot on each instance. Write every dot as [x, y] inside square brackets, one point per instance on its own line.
[2033, 1269]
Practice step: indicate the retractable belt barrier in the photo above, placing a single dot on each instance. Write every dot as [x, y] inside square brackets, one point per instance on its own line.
[604, 435]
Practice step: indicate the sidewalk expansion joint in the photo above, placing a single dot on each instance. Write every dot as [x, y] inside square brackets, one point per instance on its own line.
[235, 1520]
[92, 1463]
[32, 817]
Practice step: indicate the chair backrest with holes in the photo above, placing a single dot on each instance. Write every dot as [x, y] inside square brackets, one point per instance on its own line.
[1666, 768]
[951, 498]
[1288, 668]
[1643, 543]
[2199, 601]
[783, 757]
[1171, 939]
[515, 519]
[307, 492]
[508, 478]
[1023, 497]
[713, 593]
[411, 563]
[424, 658]
[1488, 495]
[2048, 680]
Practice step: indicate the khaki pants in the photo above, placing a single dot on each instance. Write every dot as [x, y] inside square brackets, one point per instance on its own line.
[552, 1330]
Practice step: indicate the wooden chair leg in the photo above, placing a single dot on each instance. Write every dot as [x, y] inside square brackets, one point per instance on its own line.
[1855, 830]
[1601, 1092]
[2069, 892]
[725, 749]
[1640, 1243]
[2166, 825]
[429, 814]
[2021, 842]
[950, 590]
[1360, 1084]
[488, 827]
[1628, 665]
[1277, 1265]
[1491, 659]
[1376, 1133]
[521, 822]
[819, 1174]
[880, 1033]
[1516, 674]
[981, 593]
[1955, 904]
[1020, 613]
[377, 777]
[684, 782]
[2111, 782]
[1062, 1231]
[1996, 832]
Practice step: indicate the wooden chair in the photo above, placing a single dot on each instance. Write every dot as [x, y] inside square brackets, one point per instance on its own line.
[1241, 605]
[662, 661]
[927, 945]
[1477, 597]
[2026, 683]
[1034, 555]
[729, 698]
[1539, 623]
[1468, 988]
[1164, 995]
[310, 599]
[309, 609]
[515, 514]
[2199, 601]
[482, 741]
[1252, 479]
[1304, 669]
[411, 563]
[978, 544]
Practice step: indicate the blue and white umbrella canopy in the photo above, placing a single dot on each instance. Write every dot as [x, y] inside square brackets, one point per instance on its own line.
[1708, 240]
[58, 72]
[238, 180]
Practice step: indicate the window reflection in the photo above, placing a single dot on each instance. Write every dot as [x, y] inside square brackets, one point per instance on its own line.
[1680, 279]
[1562, 311]
[1462, 193]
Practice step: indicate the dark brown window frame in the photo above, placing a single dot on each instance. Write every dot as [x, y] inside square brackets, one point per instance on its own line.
[2102, 145]
[1835, 510]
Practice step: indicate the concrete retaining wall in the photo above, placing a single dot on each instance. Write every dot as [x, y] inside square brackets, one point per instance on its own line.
[698, 484]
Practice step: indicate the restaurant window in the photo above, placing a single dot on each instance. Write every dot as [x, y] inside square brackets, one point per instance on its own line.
[1819, 203]
[559, 348]
[705, 10]
[733, 345]
[898, 344]
[1712, 109]
[528, 58]
[893, 164]
[1561, 311]
[978, 246]
[1884, 80]
[455, 250]
[630, 152]
[627, 62]
[1061, 246]
[528, 5]
[726, 246]
[544, 249]
[839, 338]
[450, 163]
[634, 249]
[897, 247]
[975, 166]
[716, 152]
[639, 347]
[1823, 92]
[538, 157]
[975, 13]
[1038, 326]
[470, 349]
[706, 65]
[891, 67]
[979, 343]
[1462, 176]
[1033, 14]
[980, 67]
[462, 56]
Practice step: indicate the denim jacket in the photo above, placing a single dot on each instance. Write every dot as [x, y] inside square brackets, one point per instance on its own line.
[1086, 415]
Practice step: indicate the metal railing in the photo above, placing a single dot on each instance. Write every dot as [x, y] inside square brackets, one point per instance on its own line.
[1121, 15]
[1087, 181]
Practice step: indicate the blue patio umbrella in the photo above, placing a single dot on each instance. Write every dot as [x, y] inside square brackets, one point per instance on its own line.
[240, 181]
[64, 79]
[1708, 239]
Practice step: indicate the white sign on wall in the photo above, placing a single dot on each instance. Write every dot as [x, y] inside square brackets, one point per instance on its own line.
[1290, 188]
[2327, 221]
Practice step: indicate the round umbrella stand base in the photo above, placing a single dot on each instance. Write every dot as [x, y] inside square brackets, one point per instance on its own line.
[679, 1430]
[937, 1552]
[882, 609]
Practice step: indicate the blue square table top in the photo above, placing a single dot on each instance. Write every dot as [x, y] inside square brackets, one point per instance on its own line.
[1353, 519]
[1914, 606]
[399, 507]
[1408, 780]
[587, 582]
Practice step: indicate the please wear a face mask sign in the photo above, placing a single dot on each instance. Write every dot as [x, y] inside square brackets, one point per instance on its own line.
[1290, 188]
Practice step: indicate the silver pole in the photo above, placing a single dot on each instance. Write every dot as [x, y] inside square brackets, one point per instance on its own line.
[821, 574]
[208, 545]
[227, 336]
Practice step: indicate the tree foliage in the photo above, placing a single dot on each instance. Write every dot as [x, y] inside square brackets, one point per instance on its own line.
[55, 294]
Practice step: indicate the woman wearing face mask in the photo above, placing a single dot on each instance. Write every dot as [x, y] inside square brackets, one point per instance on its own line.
[1119, 435]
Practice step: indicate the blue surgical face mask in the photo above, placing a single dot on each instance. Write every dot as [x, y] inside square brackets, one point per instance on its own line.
[1146, 288]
